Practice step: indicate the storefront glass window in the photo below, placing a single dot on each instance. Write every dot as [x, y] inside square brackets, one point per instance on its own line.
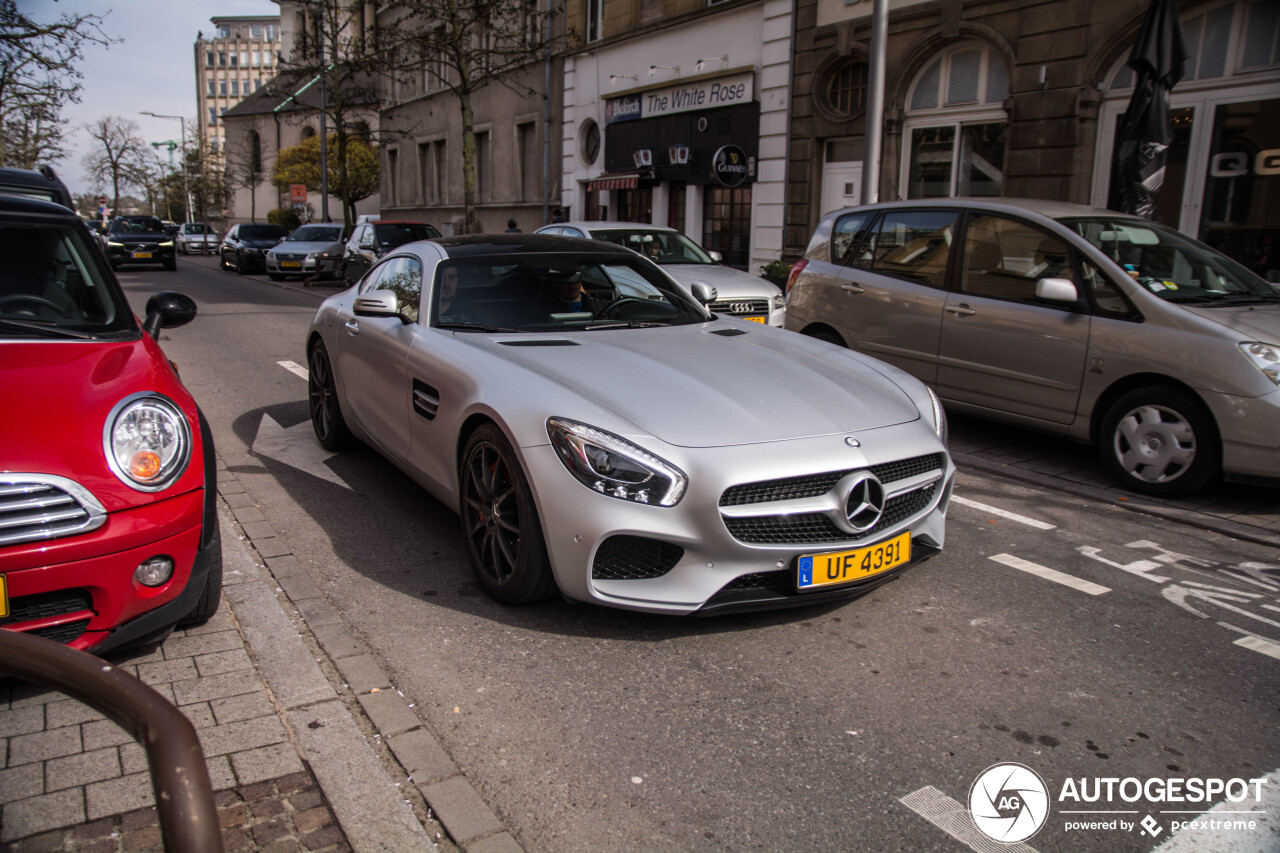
[1241, 213]
[726, 224]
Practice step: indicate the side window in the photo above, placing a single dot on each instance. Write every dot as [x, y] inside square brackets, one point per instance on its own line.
[847, 236]
[571, 232]
[403, 276]
[1004, 258]
[914, 244]
[370, 280]
[233, 233]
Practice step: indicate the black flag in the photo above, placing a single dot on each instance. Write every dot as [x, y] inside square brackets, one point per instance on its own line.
[1144, 134]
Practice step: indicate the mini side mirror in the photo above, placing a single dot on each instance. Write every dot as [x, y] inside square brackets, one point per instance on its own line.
[168, 310]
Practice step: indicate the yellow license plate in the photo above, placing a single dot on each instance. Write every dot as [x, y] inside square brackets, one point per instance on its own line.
[142, 254]
[291, 265]
[818, 570]
[754, 319]
[4, 596]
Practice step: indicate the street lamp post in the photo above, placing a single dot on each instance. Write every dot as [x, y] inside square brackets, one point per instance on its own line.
[182, 122]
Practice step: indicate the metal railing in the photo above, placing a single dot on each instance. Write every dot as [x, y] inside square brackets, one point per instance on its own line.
[179, 776]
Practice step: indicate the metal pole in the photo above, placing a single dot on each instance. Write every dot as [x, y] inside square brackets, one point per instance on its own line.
[874, 121]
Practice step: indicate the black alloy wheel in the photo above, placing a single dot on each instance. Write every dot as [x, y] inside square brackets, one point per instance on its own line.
[322, 395]
[500, 522]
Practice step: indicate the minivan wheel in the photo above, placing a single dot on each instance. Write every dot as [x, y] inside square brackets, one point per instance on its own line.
[825, 335]
[1160, 441]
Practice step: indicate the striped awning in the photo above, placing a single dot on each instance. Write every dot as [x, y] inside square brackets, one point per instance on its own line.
[615, 182]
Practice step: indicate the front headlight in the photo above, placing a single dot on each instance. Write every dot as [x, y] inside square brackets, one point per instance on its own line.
[614, 466]
[167, 243]
[779, 301]
[1265, 357]
[147, 441]
[115, 245]
[939, 416]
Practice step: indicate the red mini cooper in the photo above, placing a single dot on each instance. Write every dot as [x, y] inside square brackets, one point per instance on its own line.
[108, 523]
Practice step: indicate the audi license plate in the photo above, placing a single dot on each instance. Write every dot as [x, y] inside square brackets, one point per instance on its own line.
[142, 254]
[4, 596]
[291, 265]
[819, 570]
[754, 319]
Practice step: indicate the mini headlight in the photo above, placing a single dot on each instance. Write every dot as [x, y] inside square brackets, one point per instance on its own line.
[1265, 357]
[147, 441]
[613, 466]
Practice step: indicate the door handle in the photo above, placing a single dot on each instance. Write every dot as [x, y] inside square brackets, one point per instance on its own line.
[353, 327]
[961, 310]
[850, 288]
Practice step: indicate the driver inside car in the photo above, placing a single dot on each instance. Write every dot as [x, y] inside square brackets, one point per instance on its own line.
[561, 292]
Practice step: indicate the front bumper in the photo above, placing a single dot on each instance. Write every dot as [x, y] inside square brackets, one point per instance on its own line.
[708, 568]
[301, 266]
[144, 253]
[1250, 428]
[81, 591]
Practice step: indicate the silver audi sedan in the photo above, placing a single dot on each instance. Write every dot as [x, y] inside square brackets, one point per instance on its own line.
[603, 435]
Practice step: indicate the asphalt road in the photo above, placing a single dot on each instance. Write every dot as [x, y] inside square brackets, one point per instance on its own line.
[592, 729]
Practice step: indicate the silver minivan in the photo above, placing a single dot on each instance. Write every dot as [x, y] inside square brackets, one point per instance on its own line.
[1069, 319]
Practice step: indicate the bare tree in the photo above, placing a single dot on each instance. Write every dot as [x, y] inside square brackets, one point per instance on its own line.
[333, 70]
[463, 46]
[38, 74]
[121, 158]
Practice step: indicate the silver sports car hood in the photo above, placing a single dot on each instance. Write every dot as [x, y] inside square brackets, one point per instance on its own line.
[712, 390]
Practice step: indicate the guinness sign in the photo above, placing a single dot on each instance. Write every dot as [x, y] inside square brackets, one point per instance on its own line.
[730, 166]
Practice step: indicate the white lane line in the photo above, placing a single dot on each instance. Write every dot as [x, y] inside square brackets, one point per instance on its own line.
[1258, 644]
[1051, 574]
[955, 820]
[1004, 513]
[1217, 830]
[294, 368]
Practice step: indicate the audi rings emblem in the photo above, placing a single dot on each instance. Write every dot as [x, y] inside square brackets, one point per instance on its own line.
[865, 503]
[741, 308]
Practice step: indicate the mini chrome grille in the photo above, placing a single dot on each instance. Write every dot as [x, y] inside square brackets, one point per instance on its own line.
[809, 510]
[41, 506]
[738, 307]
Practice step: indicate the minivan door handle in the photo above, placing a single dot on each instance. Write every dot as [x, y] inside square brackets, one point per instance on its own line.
[850, 288]
[961, 310]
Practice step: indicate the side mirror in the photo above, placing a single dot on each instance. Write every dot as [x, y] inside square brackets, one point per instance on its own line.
[703, 292]
[379, 303]
[1056, 290]
[366, 245]
[168, 310]
[716, 256]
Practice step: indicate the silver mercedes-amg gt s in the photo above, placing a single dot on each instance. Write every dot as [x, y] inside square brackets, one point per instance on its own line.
[601, 433]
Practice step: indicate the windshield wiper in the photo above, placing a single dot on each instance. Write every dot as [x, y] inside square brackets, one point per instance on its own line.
[1243, 298]
[477, 327]
[46, 328]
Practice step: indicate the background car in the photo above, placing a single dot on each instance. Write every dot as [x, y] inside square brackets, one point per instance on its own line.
[1068, 319]
[527, 381]
[36, 183]
[314, 249]
[371, 240]
[244, 248]
[139, 240]
[108, 516]
[196, 238]
[737, 293]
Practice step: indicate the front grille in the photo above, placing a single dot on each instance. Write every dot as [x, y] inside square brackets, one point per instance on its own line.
[634, 558]
[739, 307]
[46, 605]
[67, 633]
[282, 257]
[815, 528]
[813, 485]
[36, 507]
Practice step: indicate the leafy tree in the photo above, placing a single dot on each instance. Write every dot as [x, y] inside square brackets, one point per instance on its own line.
[352, 178]
[337, 52]
[121, 158]
[38, 74]
[463, 46]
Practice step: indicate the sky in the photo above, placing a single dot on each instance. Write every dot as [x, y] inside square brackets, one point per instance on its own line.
[153, 68]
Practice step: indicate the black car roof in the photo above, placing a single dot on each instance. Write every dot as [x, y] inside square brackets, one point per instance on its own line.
[502, 244]
[29, 205]
[44, 181]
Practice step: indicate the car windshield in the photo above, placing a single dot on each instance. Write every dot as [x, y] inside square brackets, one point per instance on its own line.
[139, 225]
[663, 247]
[51, 285]
[196, 228]
[397, 234]
[558, 292]
[261, 232]
[1170, 264]
[315, 234]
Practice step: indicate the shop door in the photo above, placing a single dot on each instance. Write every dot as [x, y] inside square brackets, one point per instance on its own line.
[1240, 215]
[726, 224]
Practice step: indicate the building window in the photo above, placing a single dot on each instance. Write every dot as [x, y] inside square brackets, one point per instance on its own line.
[255, 152]
[440, 187]
[483, 184]
[595, 20]
[589, 142]
[213, 88]
[956, 127]
[208, 59]
[224, 32]
[222, 88]
[393, 176]
[255, 57]
[271, 32]
[527, 141]
[235, 88]
[234, 59]
[726, 224]
[255, 31]
[222, 59]
[213, 116]
[424, 172]
[844, 89]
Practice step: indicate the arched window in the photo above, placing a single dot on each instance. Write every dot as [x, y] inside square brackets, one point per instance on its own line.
[308, 132]
[842, 90]
[956, 125]
[361, 129]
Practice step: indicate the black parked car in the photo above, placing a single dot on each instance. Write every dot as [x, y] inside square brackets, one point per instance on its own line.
[244, 249]
[371, 240]
[139, 240]
[42, 183]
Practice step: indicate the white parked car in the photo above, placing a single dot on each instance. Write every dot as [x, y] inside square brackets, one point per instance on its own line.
[738, 293]
[197, 238]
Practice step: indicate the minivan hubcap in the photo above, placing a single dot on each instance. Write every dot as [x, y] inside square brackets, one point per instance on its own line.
[1155, 444]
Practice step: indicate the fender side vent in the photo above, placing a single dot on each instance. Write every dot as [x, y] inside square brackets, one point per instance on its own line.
[426, 400]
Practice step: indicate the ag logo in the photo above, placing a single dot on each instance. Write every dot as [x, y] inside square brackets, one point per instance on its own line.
[1009, 802]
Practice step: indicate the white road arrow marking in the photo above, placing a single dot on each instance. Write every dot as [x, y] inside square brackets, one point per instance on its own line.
[1182, 595]
[295, 447]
